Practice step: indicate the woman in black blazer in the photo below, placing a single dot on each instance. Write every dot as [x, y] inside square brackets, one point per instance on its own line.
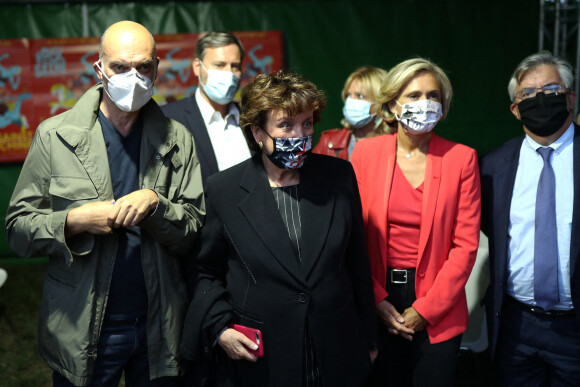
[283, 251]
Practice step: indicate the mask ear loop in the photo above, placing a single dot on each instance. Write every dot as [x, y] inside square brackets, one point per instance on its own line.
[103, 72]
[402, 107]
[202, 65]
[273, 140]
[108, 81]
[268, 134]
[207, 72]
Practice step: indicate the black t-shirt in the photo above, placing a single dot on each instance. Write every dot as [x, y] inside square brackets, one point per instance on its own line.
[128, 293]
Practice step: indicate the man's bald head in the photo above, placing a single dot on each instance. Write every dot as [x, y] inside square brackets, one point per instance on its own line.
[125, 47]
[126, 34]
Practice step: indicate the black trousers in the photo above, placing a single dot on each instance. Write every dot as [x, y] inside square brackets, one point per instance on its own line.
[537, 350]
[403, 363]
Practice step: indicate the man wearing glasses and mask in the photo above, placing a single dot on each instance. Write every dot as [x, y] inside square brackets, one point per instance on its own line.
[531, 214]
[210, 115]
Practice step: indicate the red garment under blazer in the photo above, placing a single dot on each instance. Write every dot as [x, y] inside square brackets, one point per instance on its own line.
[449, 234]
[334, 142]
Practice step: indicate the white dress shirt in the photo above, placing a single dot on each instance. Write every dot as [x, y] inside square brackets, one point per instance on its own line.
[226, 136]
[522, 218]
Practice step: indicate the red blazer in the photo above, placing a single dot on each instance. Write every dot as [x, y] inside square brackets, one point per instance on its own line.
[449, 233]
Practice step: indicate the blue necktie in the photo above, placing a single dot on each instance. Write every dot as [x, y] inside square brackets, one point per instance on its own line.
[545, 239]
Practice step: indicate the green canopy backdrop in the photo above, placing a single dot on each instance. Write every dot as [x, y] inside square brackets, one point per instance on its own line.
[477, 43]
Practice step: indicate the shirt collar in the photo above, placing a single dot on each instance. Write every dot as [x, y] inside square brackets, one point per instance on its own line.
[558, 145]
[209, 114]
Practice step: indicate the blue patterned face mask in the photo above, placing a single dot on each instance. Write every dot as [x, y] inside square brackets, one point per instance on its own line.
[290, 153]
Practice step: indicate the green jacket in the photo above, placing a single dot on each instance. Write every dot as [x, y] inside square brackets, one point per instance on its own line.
[66, 167]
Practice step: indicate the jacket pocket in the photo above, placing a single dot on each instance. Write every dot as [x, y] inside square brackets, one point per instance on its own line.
[72, 188]
[63, 327]
[59, 308]
[60, 283]
[247, 319]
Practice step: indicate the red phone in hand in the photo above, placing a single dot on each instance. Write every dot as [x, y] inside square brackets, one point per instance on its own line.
[253, 334]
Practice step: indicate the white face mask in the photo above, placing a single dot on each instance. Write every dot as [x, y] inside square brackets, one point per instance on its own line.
[357, 112]
[420, 116]
[220, 86]
[130, 91]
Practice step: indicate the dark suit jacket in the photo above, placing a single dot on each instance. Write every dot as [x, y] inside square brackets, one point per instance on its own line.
[247, 268]
[498, 173]
[187, 113]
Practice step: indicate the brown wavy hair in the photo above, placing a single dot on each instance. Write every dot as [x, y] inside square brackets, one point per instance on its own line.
[283, 90]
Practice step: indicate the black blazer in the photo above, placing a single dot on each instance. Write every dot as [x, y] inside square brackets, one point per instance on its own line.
[498, 173]
[248, 272]
[187, 113]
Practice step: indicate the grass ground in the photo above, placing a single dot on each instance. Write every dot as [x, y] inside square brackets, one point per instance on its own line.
[20, 363]
[22, 366]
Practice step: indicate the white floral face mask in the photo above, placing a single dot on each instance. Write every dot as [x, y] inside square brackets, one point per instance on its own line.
[420, 116]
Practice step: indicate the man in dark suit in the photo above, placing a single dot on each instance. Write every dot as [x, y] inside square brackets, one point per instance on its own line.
[210, 115]
[531, 214]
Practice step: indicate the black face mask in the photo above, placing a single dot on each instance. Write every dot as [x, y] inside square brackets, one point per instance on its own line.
[544, 114]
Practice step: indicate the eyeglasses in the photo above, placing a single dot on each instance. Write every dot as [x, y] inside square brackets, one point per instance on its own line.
[530, 92]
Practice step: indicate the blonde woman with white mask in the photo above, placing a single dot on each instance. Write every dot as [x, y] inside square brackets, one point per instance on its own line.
[421, 206]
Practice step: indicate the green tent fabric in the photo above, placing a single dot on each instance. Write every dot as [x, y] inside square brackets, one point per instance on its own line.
[477, 43]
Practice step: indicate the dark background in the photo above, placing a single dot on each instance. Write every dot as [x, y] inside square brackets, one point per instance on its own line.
[478, 44]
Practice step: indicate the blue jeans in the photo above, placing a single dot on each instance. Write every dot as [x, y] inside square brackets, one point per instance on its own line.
[122, 348]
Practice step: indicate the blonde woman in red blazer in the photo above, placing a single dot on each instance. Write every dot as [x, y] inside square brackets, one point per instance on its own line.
[421, 206]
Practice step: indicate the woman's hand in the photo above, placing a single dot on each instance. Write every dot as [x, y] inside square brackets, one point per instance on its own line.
[393, 320]
[414, 320]
[236, 345]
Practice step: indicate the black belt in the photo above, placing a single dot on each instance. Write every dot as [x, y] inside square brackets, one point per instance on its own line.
[400, 276]
[121, 319]
[509, 300]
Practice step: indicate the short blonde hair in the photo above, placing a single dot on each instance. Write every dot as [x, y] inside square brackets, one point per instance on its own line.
[399, 77]
[371, 80]
[280, 91]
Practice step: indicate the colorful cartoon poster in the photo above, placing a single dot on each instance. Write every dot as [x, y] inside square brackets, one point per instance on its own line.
[62, 70]
[17, 123]
[40, 78]
[263, 54]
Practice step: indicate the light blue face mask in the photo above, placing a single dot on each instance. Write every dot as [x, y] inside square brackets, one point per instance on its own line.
[220, 86]
[357, 112]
